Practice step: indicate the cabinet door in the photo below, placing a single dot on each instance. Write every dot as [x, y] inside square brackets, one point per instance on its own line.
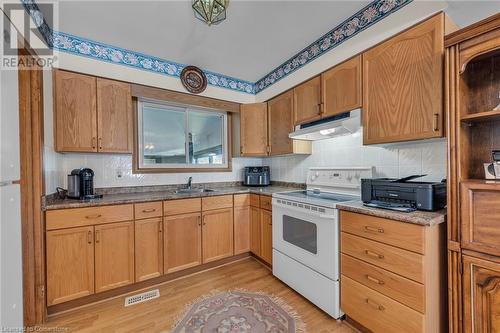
[241, 229]
[403, 85]
[481, 281]
[480, 212]
[255, 230]
[75, 112]
[114, 255]
[341, 87]
[114, 116]
[253, 129]
[182, 235]
[217, 234]
[280, 111]
[70, 264]
[266, 229]
[307, 101]
[148, 248]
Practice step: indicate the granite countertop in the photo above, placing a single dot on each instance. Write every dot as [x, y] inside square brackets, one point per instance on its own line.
[417, 217]
[52, 202]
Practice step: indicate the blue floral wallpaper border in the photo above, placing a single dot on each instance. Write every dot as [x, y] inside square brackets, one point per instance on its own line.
[366, 17]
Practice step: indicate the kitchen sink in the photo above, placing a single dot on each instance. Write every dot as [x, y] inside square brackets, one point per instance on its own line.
[193, 190]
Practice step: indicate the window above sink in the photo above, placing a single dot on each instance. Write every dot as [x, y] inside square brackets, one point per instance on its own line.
[178, 138]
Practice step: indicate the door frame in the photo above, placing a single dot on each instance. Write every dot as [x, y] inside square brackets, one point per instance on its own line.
[31, 138]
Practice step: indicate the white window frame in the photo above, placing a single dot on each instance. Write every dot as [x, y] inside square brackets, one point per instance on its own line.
[141, 103]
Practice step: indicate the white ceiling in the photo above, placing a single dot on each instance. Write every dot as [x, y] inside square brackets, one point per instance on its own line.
[256, 37]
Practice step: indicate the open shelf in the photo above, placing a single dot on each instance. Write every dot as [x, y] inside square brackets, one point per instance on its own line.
[481, 116]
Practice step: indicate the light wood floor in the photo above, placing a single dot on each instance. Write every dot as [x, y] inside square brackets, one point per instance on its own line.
[158, 315]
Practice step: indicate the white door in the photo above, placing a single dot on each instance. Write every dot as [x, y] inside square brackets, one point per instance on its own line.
[11, 274]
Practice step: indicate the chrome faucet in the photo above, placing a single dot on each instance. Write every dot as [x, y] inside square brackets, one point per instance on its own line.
[190, 180]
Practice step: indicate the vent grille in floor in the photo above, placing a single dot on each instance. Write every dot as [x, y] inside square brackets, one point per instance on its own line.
[144, 297]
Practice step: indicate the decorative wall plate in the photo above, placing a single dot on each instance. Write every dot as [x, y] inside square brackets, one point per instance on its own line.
[193, 79]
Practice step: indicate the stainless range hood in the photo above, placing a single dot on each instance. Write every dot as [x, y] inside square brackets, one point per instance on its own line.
[342, 124]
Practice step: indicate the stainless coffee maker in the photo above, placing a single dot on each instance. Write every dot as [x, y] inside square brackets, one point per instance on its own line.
[81, 184]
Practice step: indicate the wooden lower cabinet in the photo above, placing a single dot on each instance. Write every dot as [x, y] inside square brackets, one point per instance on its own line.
[70, 264]
[255, 230]
[217, 234]
[241, 229]
[182, 237]
[266, 238]
[148, 248]
[114, 255]
[481, 286]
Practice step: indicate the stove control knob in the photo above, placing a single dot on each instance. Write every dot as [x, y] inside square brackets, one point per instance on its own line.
[349, 177]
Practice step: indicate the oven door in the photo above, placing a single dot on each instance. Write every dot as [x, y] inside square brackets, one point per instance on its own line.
[309, 237]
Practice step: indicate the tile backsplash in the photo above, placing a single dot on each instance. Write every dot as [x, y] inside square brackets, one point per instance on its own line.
[395, 160]
[107, 166]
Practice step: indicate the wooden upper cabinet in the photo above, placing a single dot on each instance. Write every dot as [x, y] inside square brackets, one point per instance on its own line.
[403, 85]
[253, 129]
[182, 237]
[92, 114]
[75, 111]
[341, 88]
[70, 264]
[217, 234]
[281, 123]
[481, 280]
[114, 255]
[307, 101]
[148, 248]
[114, 116]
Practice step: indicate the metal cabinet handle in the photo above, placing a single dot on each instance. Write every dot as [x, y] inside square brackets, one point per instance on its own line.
[320, 108]
[199, 221]
[93, 143]
[89, 237]
[204, 220]
[95, 216]
[100, 143]
[373, 229]
[372, 279]
[436, 122]
[374, 254]
[374, 304]
[97, 236]
[149, 210]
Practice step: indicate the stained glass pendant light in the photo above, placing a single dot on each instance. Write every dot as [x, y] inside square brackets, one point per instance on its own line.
[210, 11]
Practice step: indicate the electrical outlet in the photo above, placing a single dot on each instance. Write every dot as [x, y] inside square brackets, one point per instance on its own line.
[119, 174]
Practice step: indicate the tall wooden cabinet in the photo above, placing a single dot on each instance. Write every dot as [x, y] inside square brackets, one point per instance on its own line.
[253, 129]
[281, 124]
[91, 114]
[472, 86]
[403, 85]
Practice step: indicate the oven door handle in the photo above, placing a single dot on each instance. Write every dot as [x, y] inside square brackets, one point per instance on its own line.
[328, 217]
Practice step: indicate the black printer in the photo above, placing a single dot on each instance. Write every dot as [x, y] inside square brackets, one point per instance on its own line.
[403, 194]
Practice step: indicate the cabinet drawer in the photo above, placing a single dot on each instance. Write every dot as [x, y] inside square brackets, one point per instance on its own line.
[480, 205]
[218, 202]
[76, 217]
[266, 202]
[400, 234]
[405, 291]
[402, 262]
[181, 206]
[377, 312]
[241, 200]
[255, 200]
[148, 209]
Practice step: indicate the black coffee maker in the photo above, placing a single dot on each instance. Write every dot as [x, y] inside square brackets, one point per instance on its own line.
[81, 184]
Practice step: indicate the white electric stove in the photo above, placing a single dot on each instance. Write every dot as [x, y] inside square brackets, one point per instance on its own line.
[306, 233]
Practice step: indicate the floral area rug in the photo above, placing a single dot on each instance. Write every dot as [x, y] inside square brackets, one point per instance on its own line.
[239, 312]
